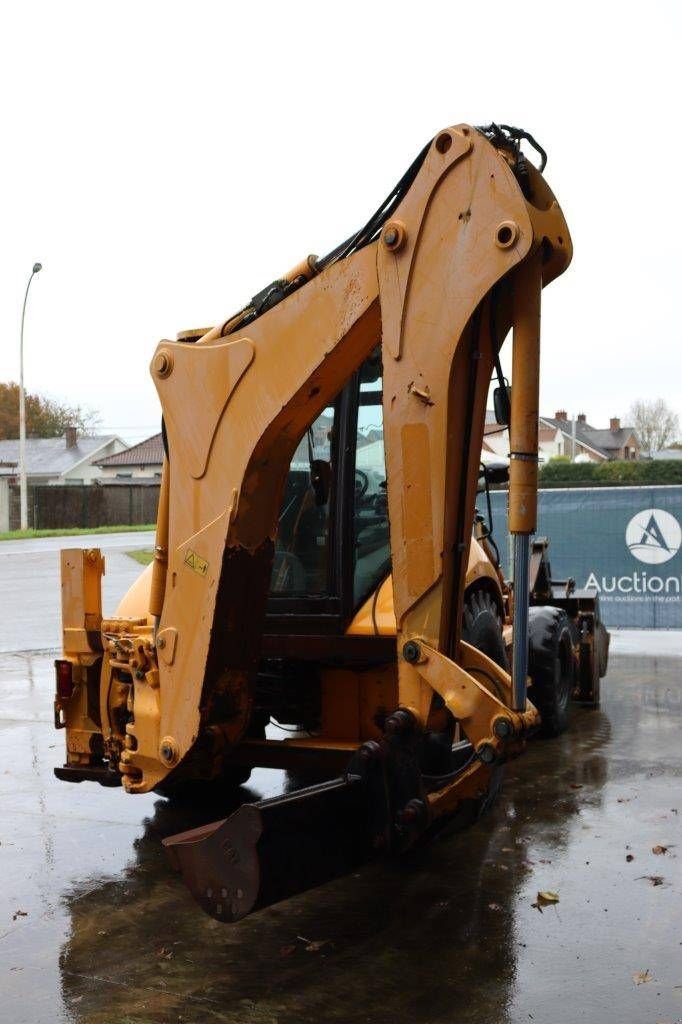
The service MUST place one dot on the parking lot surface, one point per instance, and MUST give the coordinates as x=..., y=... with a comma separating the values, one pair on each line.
x=96, y=929
x=29, y=584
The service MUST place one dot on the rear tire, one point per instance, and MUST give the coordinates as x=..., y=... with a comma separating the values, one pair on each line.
x=550, y=666
x=482, y=626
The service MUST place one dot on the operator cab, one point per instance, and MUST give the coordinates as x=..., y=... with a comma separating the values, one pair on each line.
x=331, y=553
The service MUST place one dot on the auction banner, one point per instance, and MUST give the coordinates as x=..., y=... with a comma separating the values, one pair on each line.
x=625, y=542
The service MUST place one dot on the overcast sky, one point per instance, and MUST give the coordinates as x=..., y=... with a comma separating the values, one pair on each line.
x=165, y=161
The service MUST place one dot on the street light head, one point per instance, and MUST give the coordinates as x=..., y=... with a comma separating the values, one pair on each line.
x=37, y=267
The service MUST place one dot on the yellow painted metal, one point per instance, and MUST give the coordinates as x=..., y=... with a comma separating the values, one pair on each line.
x=235, y=407
x=355, y=702
x=523, y=431
x=314, y=341
x=160, y=563
x=81, y=575
x=136, y=601
x=376, y=616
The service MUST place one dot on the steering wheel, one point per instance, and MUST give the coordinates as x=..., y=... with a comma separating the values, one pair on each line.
x=361, y=483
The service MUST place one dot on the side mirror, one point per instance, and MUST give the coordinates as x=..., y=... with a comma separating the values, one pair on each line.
x=492, y=472
x=497, y=472
x=502, y=404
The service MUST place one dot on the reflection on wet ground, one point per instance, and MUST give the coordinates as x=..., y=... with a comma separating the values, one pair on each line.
x=95, y=928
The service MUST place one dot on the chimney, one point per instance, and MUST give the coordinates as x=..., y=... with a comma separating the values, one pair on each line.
x=561, y=414
x=71, y=435
x=582, y=418
x=614, y=423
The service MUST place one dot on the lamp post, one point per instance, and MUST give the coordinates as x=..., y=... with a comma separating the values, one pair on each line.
x=23, y=495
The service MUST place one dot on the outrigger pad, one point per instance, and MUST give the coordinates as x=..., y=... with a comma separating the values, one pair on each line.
x=268, y=851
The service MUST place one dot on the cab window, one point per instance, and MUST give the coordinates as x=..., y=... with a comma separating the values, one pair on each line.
x=372, y=551
x=302, y=563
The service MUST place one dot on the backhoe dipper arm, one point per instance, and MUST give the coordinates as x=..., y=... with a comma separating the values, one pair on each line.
x=438, y=289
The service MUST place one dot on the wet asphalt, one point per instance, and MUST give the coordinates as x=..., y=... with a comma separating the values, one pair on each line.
x=95, y=927
x=29, y=582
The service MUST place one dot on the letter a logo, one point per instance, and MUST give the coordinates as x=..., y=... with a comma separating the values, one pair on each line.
x=653, y=536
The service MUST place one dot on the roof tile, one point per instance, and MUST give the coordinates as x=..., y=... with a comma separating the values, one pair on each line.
x=146, y=453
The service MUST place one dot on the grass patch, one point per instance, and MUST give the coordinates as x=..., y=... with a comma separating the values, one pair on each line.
x=74, y=532
x=143, y=557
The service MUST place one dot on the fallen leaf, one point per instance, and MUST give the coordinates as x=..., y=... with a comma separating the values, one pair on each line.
x=19, y=913
x=641, y=977
x=545, y=899
x=313, y=945
x=629, y=857
x=658, y=850
x=494, y=906
x=165, y=953
x=654, y=879
x=576, y=785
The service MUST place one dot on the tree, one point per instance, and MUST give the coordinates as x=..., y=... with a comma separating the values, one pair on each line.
x=656, y=424
x=44, y=417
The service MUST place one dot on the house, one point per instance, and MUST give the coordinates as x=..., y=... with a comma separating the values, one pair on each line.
x=58, y=460
x=495, y=437
x=616, y=442
x=555, y=437
x=141, y=463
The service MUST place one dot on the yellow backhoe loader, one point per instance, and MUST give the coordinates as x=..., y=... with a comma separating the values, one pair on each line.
x=320, y=562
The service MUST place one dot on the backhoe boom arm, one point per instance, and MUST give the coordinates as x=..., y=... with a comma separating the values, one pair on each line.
x=459, y=255
x=424, y=290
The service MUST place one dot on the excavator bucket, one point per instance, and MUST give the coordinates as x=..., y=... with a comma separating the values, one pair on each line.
x=274, y=849
x=271, y=850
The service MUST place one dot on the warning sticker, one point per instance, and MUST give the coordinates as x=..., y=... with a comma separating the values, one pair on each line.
x=196, y=562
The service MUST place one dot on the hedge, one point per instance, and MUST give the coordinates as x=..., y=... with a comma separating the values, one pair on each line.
x=622, y=473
